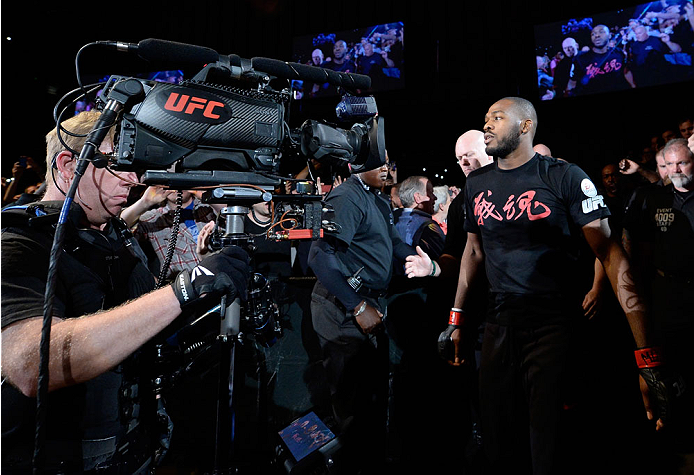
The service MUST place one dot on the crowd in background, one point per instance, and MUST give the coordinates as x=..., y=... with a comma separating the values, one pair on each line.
x=377, y=53
x=654, y=47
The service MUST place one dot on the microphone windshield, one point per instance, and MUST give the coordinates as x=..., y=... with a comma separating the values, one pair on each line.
x=311, y=73
x=169, y=51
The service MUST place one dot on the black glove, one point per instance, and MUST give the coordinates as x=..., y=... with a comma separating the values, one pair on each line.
x=663, y=386
x=445, y=345
x=224, y=272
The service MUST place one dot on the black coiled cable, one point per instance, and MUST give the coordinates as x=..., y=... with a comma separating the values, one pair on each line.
x=172, y=241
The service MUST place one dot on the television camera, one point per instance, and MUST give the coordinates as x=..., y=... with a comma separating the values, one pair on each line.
x=225, y=132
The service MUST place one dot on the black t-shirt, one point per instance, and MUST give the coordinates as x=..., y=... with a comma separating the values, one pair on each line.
x=371, y=65
x=344, y=67
x=664, y=217
x=96, y=271
x=456, y=236
x=617, y=206
x=599, y=72
x=648, y=53
x=561, y=75
x=529, y=220
x=328, y=89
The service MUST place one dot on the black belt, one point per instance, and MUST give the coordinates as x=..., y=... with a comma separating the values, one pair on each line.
x=364, y=292
x=372, y=293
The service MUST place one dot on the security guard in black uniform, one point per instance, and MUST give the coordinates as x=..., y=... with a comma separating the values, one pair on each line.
x=354, y=267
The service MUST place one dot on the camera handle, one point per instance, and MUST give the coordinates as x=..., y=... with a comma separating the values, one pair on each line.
x=228, y=336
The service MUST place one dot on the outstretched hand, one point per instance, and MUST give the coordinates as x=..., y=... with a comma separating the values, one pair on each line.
x=203, y=243
x=592, y=302
x=418, y=265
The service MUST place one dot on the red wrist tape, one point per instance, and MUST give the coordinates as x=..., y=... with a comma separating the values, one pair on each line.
x=649, y=357
x=456, y=317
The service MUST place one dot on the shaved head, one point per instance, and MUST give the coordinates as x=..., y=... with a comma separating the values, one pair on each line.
x=543, y=149
x=470, y=151
x=525, y=111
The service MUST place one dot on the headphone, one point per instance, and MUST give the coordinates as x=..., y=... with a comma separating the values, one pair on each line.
x=99, y=160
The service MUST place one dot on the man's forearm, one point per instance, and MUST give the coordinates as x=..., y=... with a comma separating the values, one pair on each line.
x=324, y=263
x=649, y=175
x=449, y=266
x=619, y=272
x=132, y=213
x=83, y=348
x=470, y=265
x=618, y=269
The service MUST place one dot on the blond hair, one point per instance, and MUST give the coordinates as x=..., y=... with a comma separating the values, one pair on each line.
x=78, y=127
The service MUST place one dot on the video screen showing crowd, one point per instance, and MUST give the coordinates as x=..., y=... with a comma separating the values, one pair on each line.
x=376, y=51
x=648, y=44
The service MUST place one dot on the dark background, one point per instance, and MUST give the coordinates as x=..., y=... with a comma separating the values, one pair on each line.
x=461, y=57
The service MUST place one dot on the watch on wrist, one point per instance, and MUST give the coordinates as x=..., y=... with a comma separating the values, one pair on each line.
x=361, y=309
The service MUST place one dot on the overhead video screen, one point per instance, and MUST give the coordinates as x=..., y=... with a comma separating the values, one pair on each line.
x=648, y=44
x=377, y=51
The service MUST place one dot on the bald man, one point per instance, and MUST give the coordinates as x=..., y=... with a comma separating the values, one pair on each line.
x=469, y=151
x=471, y=155
x=563, y=69
x=542, y=149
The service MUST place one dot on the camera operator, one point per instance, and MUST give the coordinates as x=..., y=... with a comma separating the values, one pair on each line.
x=101, y=409
x=349, y=320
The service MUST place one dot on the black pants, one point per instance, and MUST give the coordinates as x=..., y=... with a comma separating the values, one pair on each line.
x=520, y=395
x=356, y=369
x=673, y=316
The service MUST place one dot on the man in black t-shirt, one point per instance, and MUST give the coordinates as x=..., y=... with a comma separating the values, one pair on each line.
x=524, y=215
x=659, y=232
x=563, y=70
x=470, y=154
x=100, y=409
x=601, y=69
x=339, y=62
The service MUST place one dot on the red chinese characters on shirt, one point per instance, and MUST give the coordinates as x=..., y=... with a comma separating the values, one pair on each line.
x=524, y=205
x=595, y=69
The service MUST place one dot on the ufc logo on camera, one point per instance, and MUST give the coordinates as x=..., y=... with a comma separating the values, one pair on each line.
x=193, y=105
